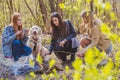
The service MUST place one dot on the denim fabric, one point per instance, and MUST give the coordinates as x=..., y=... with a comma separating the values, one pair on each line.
x=8, y=35
x=19, y=49
x=23, y=69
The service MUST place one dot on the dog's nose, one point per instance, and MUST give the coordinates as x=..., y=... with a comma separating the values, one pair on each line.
x=34, y=32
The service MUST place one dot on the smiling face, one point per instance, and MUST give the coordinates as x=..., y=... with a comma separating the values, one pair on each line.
x=35, y=30
x=55, y=21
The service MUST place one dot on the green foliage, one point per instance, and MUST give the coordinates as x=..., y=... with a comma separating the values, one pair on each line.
x=39, y=59
x=32, y=74
x=51, y=63
x=86, y=69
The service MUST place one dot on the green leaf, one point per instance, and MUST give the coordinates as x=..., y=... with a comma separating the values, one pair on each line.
x=52, y=63
x=76, y=75
x=32, y=74
x=113, y=16
x=77, y=64
x=39, y=59
x=66, y=69
x=31, y=63
x=62, y=6
x=107, y=6
x=105, y=29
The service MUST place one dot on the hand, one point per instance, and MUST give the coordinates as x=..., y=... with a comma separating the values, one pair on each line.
x=62, y=43
x=25, y=31
x=80, y=53
x=46, y=53
x=18, y=33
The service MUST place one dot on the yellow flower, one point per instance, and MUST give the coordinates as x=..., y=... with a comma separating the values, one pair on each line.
x=32, y=74
x=113, y=16
x=67, y=69
x=89, y=57
x=105, y=29
x=76, y=75
x=52, y=63
x=107, y=5
x=62, y=6
x=31, y=63
x=77, y=64
x=39, y=59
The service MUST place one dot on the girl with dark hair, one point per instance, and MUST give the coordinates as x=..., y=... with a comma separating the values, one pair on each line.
x=63, y=38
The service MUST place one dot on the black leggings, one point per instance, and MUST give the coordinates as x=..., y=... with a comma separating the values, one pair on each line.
x=62, y=52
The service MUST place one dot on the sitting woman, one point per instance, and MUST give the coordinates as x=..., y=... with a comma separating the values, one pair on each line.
x=14, y=39
x=95, y=37
x=63, y=40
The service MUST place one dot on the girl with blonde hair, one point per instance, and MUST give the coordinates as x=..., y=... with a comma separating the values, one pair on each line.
x=95, y=37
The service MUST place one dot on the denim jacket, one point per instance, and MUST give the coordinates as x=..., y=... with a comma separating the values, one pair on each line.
x=8, y=35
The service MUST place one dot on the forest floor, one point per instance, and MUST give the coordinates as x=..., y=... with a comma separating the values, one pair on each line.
x=4, y=63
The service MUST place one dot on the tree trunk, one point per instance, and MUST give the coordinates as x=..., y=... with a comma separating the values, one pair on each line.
x=14, y=7
x=29, y=9
x=19, y=6
x=104, y=10
x=115, y=7
x=58, y=9
x=91, y=5
x=52, y=5
x=10, y=7
x=43, y=11
x=96, y=10
x=114, y=4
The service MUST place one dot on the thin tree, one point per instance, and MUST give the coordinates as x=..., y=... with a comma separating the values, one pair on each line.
x=52, y=5
x=43, y=11
x=58, y=9
x=29, y=9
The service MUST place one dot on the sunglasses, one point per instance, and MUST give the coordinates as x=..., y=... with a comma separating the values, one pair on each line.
x=54, y=13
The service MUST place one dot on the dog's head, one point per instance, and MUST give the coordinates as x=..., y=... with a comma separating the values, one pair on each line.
x=35, y=30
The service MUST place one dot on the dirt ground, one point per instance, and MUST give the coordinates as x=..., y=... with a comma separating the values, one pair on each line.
x=4, y=63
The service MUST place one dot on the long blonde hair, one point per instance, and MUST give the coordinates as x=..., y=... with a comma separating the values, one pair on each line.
x=89, y=16
x=15, y=26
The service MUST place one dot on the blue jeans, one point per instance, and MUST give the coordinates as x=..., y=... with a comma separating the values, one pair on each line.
x=19, y=49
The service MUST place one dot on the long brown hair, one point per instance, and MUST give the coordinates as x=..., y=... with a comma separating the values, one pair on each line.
x=15, y=26
x=61, y=27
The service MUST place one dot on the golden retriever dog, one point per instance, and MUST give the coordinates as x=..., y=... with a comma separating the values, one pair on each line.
x=34, y=42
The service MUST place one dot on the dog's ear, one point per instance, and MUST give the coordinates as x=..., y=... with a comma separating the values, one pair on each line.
x=30, y=31
x=40, y=31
